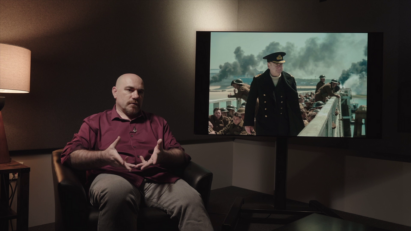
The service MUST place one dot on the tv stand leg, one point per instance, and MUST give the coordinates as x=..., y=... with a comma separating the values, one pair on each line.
x=279, y=204
x=280, y=193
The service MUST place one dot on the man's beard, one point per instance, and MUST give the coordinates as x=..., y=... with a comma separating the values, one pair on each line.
x=131, y=112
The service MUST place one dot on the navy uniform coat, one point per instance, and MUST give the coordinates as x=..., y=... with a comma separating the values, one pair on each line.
x=279, y=111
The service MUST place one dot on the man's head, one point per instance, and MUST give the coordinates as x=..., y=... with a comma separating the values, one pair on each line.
x=333, y=83
x=230, y=109
x=322, y=78
x=275, y=68
x=237, y=83
x=217, y=112
x=303, y=114
x=223, y=111
x=237, y=118
x=309, y=104
x=241, y=112
x=311, y=116
x=129, y=95
x=318, y=105
x=275, y=62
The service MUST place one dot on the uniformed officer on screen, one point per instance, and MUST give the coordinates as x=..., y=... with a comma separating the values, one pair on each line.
x=279, y=112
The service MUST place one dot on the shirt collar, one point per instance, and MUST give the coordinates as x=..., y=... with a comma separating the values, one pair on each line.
x=115, y=115
x=275, y=76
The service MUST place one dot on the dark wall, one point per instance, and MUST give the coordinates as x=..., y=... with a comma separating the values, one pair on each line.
x=79, y=48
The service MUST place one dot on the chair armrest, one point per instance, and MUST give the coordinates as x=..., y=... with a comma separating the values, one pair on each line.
x=200, y=179
x=69, y=194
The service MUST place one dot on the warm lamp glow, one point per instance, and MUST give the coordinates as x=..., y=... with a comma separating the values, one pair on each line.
x=14, y=78
x=14, y=69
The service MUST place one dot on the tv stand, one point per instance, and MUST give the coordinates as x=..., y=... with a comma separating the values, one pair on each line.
x=277, y=204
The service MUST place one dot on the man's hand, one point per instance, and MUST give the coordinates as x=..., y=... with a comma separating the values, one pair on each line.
x=249, y=129
x=91, y=159
x=111, y=157
x=158, y=151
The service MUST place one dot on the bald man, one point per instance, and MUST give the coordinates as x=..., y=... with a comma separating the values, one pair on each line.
x=127, y=153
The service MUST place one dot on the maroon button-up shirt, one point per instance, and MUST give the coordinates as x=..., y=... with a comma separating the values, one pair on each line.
x=138, y=137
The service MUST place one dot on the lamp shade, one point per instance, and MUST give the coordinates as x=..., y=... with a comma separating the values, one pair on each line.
x=14, y=69
x=14, y=78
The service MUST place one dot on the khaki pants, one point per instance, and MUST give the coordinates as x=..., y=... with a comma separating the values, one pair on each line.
x=119, y=201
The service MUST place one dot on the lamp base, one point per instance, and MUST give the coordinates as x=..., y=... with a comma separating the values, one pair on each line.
x=4, y=149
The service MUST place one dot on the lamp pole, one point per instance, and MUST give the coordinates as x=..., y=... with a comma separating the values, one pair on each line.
x=4, y=150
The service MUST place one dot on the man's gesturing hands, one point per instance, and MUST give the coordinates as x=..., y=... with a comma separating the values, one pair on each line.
x=111, y=157
x=158, y=150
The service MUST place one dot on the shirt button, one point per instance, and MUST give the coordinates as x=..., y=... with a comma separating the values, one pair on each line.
x=281, y=96
x=265, y=101
x=266, y=109
x=265, y=115
x=264, y=94
x=131, y=135
x=281, y=101
x=281, y=108
x=281, y=113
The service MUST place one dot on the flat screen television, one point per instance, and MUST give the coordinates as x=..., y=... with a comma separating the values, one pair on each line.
x=232, y=72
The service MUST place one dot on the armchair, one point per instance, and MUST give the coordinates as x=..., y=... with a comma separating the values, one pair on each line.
x=74, y=211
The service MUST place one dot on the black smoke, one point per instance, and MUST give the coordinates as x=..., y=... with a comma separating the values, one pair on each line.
x=359, y=68
x=248, y=63
x=226, y=70
x=244, y=65
x=315, y=54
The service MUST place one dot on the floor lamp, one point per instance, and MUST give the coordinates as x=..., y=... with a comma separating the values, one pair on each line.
x=14, y=78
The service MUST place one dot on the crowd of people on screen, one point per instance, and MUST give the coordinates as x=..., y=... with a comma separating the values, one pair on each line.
x=228, y=121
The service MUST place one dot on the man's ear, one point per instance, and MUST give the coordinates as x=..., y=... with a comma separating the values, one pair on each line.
x=114, y=91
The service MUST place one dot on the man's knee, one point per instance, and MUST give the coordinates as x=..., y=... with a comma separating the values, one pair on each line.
x=112, y=190
x=190, y=199
x=193, y=198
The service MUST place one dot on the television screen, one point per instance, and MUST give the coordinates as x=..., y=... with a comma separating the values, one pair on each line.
x=288, y=84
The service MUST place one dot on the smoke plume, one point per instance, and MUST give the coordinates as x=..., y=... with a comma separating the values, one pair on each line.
x=315, y=54
x=355, y=78
x=244, y=65
x=359, y=68
x=309, y=60
x=356, y=84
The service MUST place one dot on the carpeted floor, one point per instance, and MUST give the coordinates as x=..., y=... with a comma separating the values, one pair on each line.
x=222, y=199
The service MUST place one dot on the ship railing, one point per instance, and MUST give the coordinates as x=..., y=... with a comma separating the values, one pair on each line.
x=321, y=125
